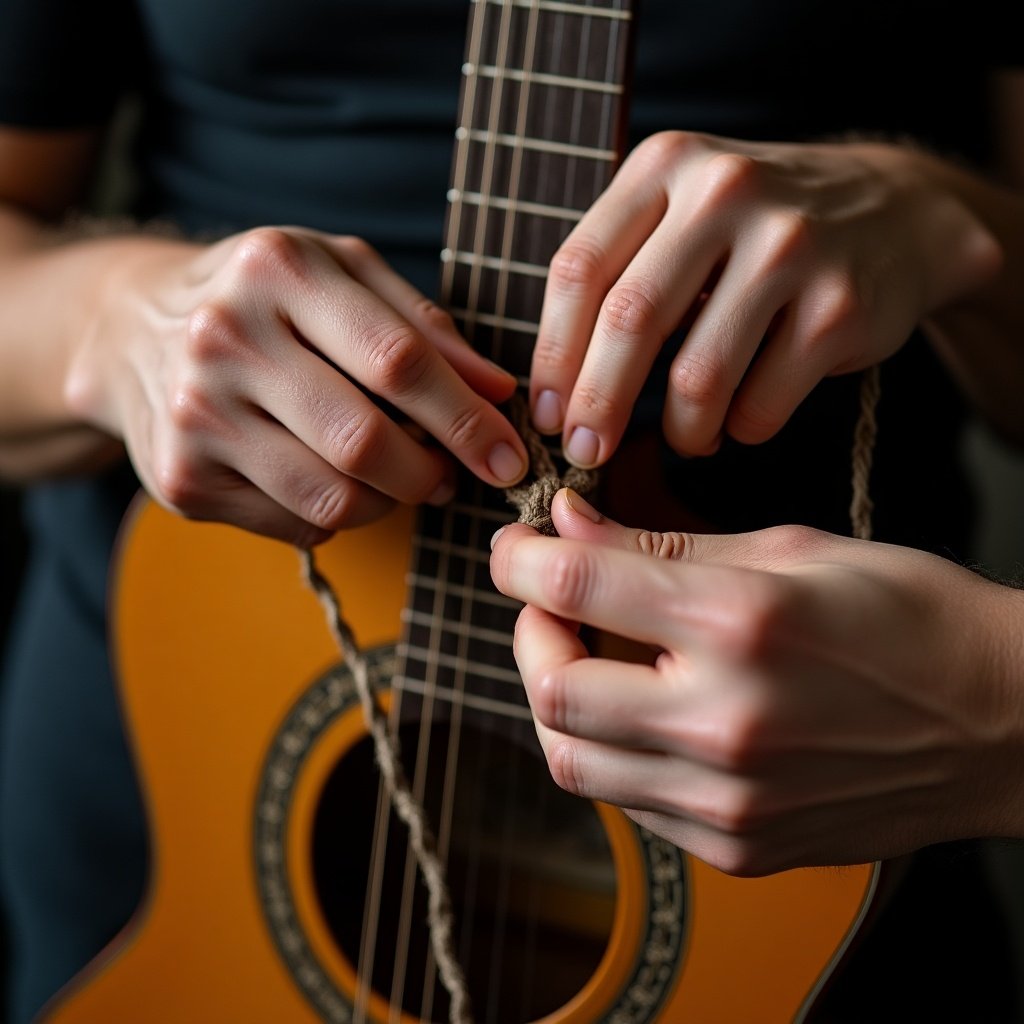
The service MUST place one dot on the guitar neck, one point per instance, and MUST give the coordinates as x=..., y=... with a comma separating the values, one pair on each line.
x=540, y=132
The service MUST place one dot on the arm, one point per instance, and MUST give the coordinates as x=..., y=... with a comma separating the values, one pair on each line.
x=816, y=699
x=230, y=371
x=788, y=263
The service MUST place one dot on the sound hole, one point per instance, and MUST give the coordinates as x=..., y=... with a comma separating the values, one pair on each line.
x=529, y=869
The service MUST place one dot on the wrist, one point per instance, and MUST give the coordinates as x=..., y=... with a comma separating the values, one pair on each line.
x=117, y=304
x=960, y=250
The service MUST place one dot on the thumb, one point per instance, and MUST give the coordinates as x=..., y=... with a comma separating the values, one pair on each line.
x=777, y=548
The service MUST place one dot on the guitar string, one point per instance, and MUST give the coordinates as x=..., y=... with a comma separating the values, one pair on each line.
x=409, y=811
x=524, y=97
x=534, y=505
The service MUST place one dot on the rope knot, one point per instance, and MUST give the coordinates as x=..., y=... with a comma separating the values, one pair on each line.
x=533, y=500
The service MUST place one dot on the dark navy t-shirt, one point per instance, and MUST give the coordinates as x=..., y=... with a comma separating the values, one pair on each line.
x=339, y=115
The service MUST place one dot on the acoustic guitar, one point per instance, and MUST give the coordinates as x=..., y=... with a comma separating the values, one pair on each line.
x=282, y=888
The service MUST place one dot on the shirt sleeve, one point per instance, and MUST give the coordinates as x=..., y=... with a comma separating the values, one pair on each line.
x=64, y=63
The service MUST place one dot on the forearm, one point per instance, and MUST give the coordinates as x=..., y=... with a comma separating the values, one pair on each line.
x=51, y=292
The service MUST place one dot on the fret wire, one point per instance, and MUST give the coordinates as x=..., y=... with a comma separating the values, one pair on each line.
x=537, y=145
x=565, y=8
x=492, y=515
x=494, y=263
x=457, y=590
x=463, y=698
x=490, y=320
x=518, y=205
x=541, y=78
x=479, y=669
x=460, y=550
x=458, y=628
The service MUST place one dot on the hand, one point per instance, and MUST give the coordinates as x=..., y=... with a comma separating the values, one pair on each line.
x=816, y=699
x=787, y=263
x=234, y=376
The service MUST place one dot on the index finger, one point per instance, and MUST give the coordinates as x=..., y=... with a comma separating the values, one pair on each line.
x=365, y=337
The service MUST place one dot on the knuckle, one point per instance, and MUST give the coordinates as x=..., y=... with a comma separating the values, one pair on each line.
x=432, y=316
x=465, y=428
x=787, y=236
x=794, y=542
x=399, y=360
x=664, y=150
x=355, y=250
x=550, y=702
x=628, y=310
x=698, y=380
x=594, y=403
x=328, y=508
x=179, y=483
x=741, y=859
x=356, y=441
x=569, y=581
x=268, y=252
x=837, y=309
x=727, y=177
x=577, y=266
x=191, y=409
x=758, y=619
x=670, y=546
x=213, y=334
x=551, y=356
x=565, y=767
x=734, y=743
x=737, y=811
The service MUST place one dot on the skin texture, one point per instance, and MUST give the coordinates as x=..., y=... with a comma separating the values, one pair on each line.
x=808, y=699
x=237, y=375
x=789, y=263
x=815, y=699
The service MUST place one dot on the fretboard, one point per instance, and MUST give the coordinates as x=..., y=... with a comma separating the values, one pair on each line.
x=540, y=133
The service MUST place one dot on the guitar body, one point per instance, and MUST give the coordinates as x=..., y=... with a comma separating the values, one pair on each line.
x=242, y=725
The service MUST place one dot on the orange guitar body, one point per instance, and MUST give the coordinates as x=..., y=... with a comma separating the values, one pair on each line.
x=218, y=642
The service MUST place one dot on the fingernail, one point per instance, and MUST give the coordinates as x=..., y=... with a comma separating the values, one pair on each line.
x=505, y=463
x=547, y=412
x=497, y=533
x=581, y=506
x=444, y=493
x=582, y=448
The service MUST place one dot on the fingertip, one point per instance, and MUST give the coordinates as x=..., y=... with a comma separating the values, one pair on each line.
x=502, y=383
x=579, y=506
x=511, y=530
